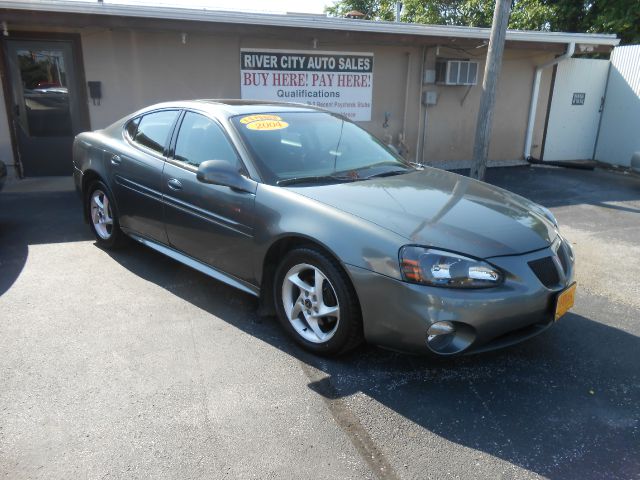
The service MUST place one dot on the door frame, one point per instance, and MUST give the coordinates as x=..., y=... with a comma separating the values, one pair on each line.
x=554, y=71
x=7, y=88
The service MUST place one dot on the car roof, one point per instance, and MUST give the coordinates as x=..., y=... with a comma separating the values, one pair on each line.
x=231, y=107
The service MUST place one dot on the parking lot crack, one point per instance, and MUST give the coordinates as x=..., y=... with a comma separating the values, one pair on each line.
x=349, y=424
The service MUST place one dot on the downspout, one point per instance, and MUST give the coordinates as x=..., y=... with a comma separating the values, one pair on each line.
x=571, y=48
x=402, y=147
x=419, y=144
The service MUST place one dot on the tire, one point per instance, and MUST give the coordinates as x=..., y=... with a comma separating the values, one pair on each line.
x=103, y=223
x=299, y=304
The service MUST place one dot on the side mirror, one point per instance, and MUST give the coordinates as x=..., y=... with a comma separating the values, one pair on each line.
x=221, y=172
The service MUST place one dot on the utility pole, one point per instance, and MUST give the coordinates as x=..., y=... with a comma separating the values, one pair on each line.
x=489, y=81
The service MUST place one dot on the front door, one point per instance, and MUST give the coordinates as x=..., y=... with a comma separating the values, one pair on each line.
x=211, y=223
x=46, y=109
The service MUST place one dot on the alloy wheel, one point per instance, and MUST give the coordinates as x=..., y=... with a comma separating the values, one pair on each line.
x=310, y=303
x=101, y=214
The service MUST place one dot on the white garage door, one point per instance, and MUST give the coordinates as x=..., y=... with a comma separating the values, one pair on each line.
x=575, y=109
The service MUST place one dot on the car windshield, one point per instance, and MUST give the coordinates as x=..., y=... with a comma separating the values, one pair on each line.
x=314, y=147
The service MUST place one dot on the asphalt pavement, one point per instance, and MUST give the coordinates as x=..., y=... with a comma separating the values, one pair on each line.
x=129, y=365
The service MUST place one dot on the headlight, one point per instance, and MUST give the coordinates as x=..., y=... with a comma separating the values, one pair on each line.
x=438, y=268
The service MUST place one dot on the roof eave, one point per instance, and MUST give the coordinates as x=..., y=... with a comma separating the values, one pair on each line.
x=302, y=21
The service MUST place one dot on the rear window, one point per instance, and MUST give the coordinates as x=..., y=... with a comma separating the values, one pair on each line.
x=154, y=128
x=131, y=127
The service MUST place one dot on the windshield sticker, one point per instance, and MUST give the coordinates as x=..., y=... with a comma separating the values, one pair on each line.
x=263, y=125
x=254, y=118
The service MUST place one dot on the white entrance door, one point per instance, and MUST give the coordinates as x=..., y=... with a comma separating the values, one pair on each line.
x=575, y=109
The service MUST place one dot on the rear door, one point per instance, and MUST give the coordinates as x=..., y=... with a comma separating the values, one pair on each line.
x=137, y=172
x=211, y=223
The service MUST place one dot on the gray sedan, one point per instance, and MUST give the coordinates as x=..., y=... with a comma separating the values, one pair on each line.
x=337, y=235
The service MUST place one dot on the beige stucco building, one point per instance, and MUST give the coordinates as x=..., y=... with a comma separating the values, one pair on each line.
x=142, y=55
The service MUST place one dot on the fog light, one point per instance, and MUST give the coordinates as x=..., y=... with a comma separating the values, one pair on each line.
x=440, y=328
x=449, y=338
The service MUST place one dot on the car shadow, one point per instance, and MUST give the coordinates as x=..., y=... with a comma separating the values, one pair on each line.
x=34, y=218
x=564, y=404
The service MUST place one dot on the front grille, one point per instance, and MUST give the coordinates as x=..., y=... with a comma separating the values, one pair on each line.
x=546, y=271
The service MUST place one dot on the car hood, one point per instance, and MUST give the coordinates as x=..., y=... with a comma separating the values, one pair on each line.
x=441, y=209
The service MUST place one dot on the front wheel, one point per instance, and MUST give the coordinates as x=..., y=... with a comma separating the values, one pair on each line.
x=316, y=303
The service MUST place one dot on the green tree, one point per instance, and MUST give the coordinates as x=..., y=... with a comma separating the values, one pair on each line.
x=621, y=17
x=372, y=9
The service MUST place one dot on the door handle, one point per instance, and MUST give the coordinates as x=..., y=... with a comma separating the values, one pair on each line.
x=116, y=160
x=174, y=184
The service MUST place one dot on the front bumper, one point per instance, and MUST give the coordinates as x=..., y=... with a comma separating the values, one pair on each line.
x=397, y=314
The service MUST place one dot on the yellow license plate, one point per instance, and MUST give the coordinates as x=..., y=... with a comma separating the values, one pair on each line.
x=565, y=301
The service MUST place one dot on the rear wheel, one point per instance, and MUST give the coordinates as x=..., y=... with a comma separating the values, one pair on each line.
x=316, y=302
x=102, y=215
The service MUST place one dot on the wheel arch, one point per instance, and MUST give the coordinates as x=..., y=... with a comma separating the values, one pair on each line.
x=88, y=177
x=278, y=248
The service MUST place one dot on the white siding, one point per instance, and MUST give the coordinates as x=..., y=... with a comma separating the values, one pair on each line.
x=620, y=131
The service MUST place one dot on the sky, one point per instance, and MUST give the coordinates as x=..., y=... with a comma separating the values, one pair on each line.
x=265, y=6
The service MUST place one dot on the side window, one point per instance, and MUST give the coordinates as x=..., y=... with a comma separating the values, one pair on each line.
x=131, y=127
x=200, y=139
x=154, y=128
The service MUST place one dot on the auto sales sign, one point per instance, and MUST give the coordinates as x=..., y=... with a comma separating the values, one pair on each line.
x=338, y=81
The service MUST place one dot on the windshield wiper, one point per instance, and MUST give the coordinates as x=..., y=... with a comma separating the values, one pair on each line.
x=314, y=179
x=387, y=174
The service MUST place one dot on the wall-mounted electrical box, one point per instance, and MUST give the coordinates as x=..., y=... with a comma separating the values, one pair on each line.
x=95, y=91
x=429, y=97
x=429, y=77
